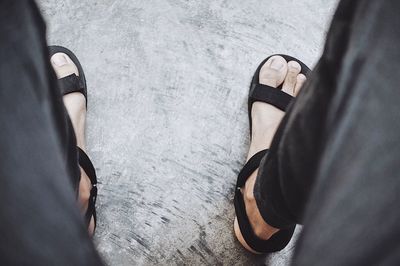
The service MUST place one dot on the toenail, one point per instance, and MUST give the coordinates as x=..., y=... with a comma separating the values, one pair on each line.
x=59, y=60
x=295, y=65
x=276, y=64
x=301, y=77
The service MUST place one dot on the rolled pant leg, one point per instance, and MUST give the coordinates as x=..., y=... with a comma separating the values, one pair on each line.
x=336, y=167
x=39, y=173
x=287, y=173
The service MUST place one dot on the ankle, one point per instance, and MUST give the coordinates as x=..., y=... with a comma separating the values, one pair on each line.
x=260, y=228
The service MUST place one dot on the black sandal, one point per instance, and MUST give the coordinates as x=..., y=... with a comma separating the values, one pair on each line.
x=69, y=84
x=281, y=100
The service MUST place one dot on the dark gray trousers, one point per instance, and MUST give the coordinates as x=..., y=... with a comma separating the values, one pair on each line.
x=40, y=223
x=334, y=164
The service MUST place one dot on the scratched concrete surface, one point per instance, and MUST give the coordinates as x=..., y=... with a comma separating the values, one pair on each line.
x=167, y=122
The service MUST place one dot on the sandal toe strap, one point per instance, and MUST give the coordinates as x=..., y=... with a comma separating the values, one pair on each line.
x=270, y=95
x=71, y=83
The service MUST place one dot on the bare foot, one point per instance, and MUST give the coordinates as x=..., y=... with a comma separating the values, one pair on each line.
x=265, y=121
x=75, y=103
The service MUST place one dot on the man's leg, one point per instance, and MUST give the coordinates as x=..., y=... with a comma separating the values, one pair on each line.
x=352, y=216
x=334, y=167
x=75, y=104
x=265, y=121
x=40, y=221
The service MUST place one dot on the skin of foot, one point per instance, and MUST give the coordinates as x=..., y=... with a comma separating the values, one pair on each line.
x=75, y=103
x=265, y=121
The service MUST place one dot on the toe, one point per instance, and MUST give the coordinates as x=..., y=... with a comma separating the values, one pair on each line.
x=301, y=79
x=289, y=84
x=273, y=72
x=59, y=59
x=63, y=65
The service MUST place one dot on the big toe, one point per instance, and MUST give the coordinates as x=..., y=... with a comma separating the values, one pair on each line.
x=273, y=72
x=63, y=65
x=289, y=84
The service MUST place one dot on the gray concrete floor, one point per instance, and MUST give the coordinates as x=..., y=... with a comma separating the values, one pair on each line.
x=167, y=122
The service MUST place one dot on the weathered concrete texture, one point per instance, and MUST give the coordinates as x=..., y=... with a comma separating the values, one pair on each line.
x=167, y=122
